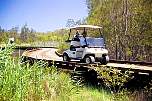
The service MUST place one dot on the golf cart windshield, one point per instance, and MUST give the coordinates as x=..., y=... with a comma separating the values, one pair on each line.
x=92, y=42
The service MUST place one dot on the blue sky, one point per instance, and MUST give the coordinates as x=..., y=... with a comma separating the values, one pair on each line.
x=41, y=15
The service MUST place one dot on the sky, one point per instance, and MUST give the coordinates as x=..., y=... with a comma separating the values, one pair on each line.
x=41, y=15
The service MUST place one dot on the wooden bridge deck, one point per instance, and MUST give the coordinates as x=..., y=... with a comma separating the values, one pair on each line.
x=49, y=54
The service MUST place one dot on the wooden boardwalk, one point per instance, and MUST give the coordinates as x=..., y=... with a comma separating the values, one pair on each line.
x=50, y=55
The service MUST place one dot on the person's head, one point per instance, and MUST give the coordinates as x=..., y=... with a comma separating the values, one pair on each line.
x=77, y=32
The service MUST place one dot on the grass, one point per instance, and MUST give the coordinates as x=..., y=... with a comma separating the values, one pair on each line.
x=38, y=82
x=92, y=94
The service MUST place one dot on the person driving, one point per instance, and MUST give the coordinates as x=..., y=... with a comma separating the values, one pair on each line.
x=84, y=33
x=76, y=36
x=77, y=33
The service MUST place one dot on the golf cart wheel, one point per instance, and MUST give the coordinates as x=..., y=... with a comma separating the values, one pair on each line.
x=66, y=57
x=104, y=60
x=89, y=59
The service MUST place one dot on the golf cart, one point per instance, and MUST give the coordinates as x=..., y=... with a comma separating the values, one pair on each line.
x=84, y=48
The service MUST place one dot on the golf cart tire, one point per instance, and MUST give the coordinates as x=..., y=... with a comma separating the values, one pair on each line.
x=89, y=59
x=66, y=57
x=103, y=61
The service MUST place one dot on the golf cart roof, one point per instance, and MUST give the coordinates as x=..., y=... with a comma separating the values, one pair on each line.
x=82, y=27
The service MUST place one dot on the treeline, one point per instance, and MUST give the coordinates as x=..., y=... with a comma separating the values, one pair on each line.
x=127, y=27
x=23, y=35
x=26, y=35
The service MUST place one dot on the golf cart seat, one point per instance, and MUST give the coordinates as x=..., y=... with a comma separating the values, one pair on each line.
x=76, y=39
x=75, y=43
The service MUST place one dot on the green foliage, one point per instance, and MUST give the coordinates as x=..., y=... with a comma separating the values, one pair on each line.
x=53, y=36
x=113, y=78
x=30, y=37
x=62, y=47
x=18, y=81
x=126, y=23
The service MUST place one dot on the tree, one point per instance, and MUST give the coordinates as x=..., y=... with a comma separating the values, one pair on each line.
x=70, y=23
x=127, y=26
x=27, y=34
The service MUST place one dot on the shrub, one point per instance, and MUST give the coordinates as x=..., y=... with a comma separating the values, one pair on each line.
x=62, y=47
x=113, y=78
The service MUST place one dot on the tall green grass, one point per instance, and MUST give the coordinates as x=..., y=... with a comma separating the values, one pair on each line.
x=38, y=82
x=25, y=82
